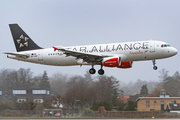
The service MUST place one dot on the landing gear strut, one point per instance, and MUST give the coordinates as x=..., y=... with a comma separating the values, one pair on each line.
x=154, y=63
x=101, y=71
x=92, y=70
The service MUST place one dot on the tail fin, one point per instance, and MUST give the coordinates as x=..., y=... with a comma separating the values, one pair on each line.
x=21, y=40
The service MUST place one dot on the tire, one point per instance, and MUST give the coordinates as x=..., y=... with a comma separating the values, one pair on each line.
x=92, y=71
x=155, y=68
x=101, y=72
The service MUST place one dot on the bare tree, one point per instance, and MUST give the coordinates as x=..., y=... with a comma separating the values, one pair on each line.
x=58, y=83
x=12, y=79
x=176, y=75
x=162, y=77
x=163, y=74
x=133, y=88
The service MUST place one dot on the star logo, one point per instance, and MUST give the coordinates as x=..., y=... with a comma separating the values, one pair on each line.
x=22, y=41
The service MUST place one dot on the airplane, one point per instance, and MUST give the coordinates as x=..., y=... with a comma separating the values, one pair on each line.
x=119, y=55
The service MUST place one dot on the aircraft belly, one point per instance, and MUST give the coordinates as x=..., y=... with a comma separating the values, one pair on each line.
x=60, y=61
x=67, y=61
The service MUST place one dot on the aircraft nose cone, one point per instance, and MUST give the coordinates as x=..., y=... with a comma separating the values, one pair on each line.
x=174, y=51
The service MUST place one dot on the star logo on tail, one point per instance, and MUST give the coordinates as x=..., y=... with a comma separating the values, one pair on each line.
x=22, y=41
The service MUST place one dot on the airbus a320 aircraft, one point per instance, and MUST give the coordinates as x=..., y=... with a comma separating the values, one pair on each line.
x=120, y=55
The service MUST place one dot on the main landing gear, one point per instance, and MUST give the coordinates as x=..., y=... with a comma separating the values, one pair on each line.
x=101, y=71
x=154, y=63
x=93, y=71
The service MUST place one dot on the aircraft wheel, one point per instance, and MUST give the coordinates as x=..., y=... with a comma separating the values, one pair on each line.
x=101, y=72
x=92, y=71
x=155, y=67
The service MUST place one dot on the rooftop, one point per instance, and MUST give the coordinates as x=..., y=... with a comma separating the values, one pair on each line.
x=123, y=98
x=156, y=93
x=157, y=98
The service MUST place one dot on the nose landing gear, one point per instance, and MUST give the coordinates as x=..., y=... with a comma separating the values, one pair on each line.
x=154, y=63
x=155, y=68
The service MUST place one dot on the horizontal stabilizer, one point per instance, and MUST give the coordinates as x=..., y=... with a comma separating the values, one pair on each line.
x=18, y=55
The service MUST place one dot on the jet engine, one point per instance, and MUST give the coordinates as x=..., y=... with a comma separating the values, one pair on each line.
x=111, y=61
x=116, y=62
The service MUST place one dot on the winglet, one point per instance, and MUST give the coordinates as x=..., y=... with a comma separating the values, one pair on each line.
x=55, y=49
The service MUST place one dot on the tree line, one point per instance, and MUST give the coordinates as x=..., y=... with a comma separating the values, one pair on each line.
x=92, y=91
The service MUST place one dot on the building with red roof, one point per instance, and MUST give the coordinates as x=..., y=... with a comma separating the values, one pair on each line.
x=156, y=101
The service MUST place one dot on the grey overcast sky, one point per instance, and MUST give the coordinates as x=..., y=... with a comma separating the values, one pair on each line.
x=81, y=22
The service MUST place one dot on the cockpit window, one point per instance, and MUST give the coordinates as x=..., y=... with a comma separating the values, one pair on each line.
x=165, y=45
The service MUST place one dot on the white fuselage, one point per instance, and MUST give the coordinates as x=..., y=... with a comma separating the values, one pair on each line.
x=129, y=51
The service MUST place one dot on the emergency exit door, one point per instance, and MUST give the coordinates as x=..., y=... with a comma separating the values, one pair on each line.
x=40, y=55
x=152, y=47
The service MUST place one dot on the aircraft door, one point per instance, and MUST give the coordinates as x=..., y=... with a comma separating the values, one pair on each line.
x=40, y=55
x=152, y=47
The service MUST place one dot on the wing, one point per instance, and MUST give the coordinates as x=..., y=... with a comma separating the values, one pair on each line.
x=18, y=55
x=87, y=57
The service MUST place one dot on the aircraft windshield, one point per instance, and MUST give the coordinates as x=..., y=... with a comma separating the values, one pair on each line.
x=165, y=45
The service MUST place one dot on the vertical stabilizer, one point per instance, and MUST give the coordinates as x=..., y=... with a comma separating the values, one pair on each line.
x=21, y=40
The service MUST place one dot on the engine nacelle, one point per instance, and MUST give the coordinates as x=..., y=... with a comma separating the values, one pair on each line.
x=126, y=64
x=112, y=62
